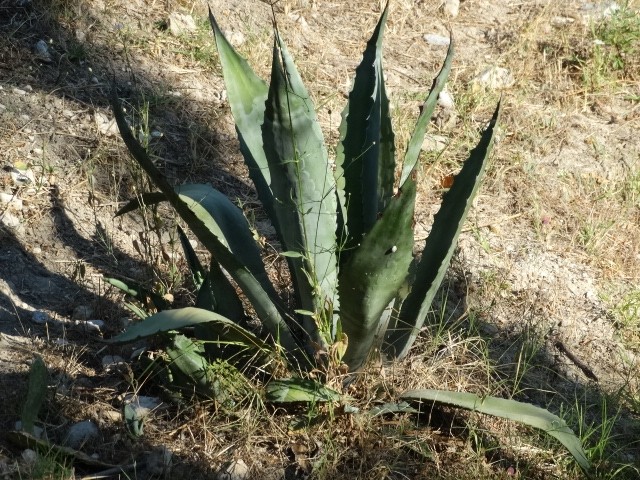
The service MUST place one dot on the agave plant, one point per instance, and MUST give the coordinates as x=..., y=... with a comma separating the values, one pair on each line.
x=344, y=225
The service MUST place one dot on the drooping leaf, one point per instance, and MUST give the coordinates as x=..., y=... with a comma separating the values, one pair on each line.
x=365, y=160
x=415, y=143
x=143, y=295
x=439, y=247
x=257, y=291
x=299, y=390
x=179, y=318
x=373, y=274
x=303, y=187
x=524, y=413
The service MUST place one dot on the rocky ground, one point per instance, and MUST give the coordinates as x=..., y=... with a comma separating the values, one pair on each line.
x=547, y=272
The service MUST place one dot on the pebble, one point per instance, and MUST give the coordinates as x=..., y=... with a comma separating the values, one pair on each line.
x=112, y=362
x=36, y=250
x=436, y=40
x=9, y=220
x=494, y=78
x=95, y=326
x=42, y=51
x=11, y=200
x=106, y=126
x=40, y=317
x=451, y=7
x=445, y=100
x=19, y=91
x=434, y=143
x=81, y=433
x=142, y=404
x=29, y=456
x=158, y=461
x=180, y=24
x=235, y=470
x=237, y=38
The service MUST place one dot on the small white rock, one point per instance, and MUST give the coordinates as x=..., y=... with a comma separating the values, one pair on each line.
x=436, y=40
x=237, y=38
x=451, y=7
x=81, y=433
x=143, y=404
x=445, y=100
x=180, y=23
x=11, y=200
x=19, y=91
x=106, y=126
x=494, y=78
x=9, y=220
x=36, y=250
x=29, y=456
x=93, y=325
x=235, y=470
x=434, y=143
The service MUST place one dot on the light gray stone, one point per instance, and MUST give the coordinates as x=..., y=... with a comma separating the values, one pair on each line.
x=81, y=433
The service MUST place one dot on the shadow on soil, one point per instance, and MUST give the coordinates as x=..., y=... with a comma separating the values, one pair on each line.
x=22, y=24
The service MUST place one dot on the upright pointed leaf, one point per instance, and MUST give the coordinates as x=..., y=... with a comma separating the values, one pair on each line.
x=197, y=271
x=247, y=94
x=373, y=274
x=439, y=246
x=365, y=155
x=524, y=413
x=303, y=186
x=417, y=138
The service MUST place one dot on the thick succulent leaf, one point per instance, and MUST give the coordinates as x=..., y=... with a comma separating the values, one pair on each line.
x=219, y=295
x=190, y=369
x=365, y=161
x=197, y=271
x=415, y=143
x=262, y=297
x=140, y=293
x=299, y=390
x=228, y=330
x=38, y=383
x=303, y=186
x=373, y=274
x=439, y=246
x=510, y=409
x=247, y=94
x=395, y=407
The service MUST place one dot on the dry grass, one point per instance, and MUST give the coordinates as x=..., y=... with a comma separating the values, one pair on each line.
x=559, y=211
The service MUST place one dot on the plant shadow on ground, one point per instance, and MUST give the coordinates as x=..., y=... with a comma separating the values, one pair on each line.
x=37, y=285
